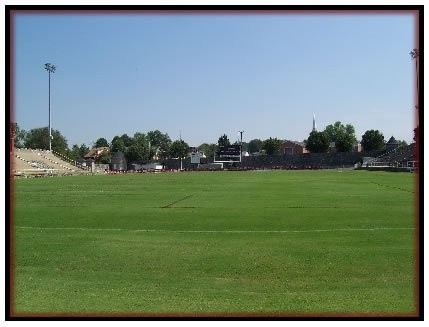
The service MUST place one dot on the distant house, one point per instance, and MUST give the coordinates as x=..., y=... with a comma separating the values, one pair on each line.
x=96, y=153
x=292, y=147
x=357, y=147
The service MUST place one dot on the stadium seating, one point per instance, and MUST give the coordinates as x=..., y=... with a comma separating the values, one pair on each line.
x=39, y=162
x=398, y=157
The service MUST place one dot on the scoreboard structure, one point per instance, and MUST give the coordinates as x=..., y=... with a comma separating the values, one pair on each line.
x=228, y=153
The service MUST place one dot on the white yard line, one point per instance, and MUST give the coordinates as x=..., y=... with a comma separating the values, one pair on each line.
x=220, y=231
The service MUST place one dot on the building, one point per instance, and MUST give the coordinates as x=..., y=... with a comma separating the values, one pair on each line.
x=292, y=147
x=96, y=153
x=118, y=161
x=357, y=147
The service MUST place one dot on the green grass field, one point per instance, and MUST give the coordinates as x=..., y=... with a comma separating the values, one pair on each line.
x=289, y=242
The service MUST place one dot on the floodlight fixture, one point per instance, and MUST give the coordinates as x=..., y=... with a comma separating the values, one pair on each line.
x=50, y=68
x=414, y=54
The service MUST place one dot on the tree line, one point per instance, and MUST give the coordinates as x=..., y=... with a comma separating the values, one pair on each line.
x=142, y=147
x=139, y=148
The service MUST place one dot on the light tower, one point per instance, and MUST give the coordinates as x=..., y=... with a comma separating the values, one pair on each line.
x=51, y=69
x=415, y=55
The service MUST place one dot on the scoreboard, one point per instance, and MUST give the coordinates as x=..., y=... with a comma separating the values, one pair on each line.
x=229, y=151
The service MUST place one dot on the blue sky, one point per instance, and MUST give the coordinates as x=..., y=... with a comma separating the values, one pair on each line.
x=206, y=75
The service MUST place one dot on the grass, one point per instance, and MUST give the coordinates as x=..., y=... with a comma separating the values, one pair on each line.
x=289, y=242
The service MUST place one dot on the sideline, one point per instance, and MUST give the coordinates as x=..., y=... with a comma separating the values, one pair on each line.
x=220, y=231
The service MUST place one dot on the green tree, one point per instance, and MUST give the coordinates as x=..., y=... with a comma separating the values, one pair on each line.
x=373, y=140
x=159, y=142
x=78, y=152
x=138, y=151
x=19, y=136
x=38, y=138
x=345, y=143
x=101, y=142
x=121, y=143
x=244, y=145
x=255, y=145
x=104, y=158
x=416, y=134
x=223, y=141
x=272, y=146
x=135, y=149
x=207, y=149
x=83, y=150
x=118, y=144
x=179, y=149
x=74, y=152
x=343, y=136
x=317, y=142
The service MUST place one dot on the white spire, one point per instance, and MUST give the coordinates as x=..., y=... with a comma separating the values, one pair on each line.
x=314, y=123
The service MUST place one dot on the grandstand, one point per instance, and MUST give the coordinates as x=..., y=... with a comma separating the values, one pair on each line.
x=399, y=157
x=35, y=162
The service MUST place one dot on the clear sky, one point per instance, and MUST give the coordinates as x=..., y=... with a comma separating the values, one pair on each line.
x=206, y=75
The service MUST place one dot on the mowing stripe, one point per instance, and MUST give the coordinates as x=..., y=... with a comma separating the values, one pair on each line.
x=177, y=201
x=220, y=231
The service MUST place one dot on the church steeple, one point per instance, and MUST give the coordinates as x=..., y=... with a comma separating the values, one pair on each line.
x=314, y=123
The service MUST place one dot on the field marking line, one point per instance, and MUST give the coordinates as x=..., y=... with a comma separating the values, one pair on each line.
x=220, y=231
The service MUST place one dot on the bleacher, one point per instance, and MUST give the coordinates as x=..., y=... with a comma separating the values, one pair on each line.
x=403, y=156
x=35, y=162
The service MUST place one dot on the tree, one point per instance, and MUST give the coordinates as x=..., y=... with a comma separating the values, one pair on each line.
x=19, y=136
x=159, y=141
x=207, y=149
x=317, y=142
x=223, y=141
x=343, y=136
x=104, y=158
x=74, y=152
x=118, y=144
x=179, y=149
x=244, y=146
x=255, y=145
x=121, y=143
x=373, y=140
x=138, y=151
x=345, y=142
x=101, y=142
x=272, y=146
x=416, y=134
x=77, y=152
x=38, y=138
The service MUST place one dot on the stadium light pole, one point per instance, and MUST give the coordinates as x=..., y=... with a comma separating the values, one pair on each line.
x=51, y=69
x=415, y=55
